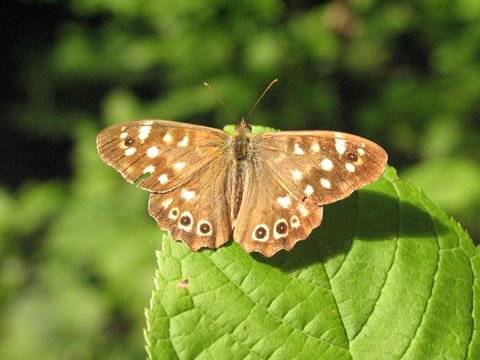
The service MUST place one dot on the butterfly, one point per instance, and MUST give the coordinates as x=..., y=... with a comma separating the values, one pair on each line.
x=269, y=189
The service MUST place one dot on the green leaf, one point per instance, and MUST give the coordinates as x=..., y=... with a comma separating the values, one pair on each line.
x=386, y=276
x=462, y=200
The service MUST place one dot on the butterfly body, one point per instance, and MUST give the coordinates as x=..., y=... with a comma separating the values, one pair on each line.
x=268, y=189
x=240, y=140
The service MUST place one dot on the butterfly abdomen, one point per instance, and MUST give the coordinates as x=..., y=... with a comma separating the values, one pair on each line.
x=240, y=148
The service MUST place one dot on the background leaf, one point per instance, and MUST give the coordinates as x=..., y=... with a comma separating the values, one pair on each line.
x=387, y=275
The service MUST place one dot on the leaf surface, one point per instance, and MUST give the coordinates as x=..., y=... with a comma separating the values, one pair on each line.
x=386, y=276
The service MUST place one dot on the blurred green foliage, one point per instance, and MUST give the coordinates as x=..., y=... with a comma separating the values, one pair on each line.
x=77, y=252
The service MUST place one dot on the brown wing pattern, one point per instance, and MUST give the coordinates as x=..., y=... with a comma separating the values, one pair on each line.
x=288, y=177
x=273, y=216
x=325, y=166
x=197, y=212
x=189, y=192
x=291, y=175
x=170, y=151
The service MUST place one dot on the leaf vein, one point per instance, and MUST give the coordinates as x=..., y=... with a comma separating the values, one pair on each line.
x=268, y=311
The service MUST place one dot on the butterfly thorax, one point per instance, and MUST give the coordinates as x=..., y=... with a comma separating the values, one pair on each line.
x=240, y=139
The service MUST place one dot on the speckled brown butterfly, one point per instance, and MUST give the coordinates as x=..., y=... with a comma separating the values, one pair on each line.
x=268, y=189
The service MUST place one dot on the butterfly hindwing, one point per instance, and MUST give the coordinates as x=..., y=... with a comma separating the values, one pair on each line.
x=272, y=215
x=198, y=211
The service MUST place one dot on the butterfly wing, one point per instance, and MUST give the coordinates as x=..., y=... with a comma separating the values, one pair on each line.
x=325, y=166
x=170, y=151
x=198, y=211
x=189, y=195
x=272, y=216
x=291, y=175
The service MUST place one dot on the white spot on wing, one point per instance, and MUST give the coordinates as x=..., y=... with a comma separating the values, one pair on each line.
x=340, y=146
x=163, y=178
x=315, y=147
x=284, y=201
x=325, y=183
x=143, y=132
x=167, y=138
x=149, y=122
x=361, y=151
x=130, y=151
x=184, y=142
x=338, y=135
x=179, y=166
x=298, y=150
x=326, y=164
x=294, y=221
x=149, y=169
x=123, y=135
x=350, y=167
x=166, y=203
x=152, y=152
x=303, y=210
x=173, y=214
x=188, y=195
x=297, y=175
x=308, y=190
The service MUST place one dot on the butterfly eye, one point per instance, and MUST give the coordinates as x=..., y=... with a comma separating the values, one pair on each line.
x=352, y=156
x=129, y=141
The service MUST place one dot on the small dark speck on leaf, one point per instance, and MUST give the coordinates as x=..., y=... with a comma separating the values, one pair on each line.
x=183, y=284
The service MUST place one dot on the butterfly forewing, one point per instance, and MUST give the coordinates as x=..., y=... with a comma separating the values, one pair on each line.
x=324, y=166
x=170, y=151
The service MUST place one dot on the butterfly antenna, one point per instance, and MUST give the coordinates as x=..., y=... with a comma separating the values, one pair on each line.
x=261, y=97
x=221, y=101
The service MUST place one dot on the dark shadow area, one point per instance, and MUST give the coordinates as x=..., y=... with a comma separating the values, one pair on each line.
x=385, y=218
x=28, y=158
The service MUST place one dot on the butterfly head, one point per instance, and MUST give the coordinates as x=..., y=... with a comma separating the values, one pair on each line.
x=243, y=127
